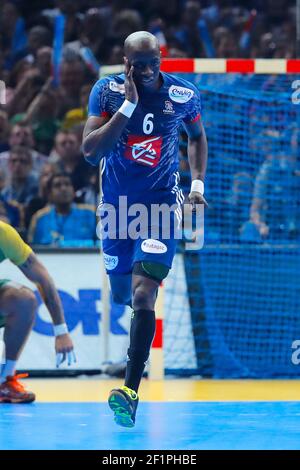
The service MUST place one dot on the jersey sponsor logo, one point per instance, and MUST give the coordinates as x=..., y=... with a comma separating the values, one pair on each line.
x=168, y=108
x=144, y=151
x=117, y=87
x=110, y=261
x=180, y=94
x=153, y=246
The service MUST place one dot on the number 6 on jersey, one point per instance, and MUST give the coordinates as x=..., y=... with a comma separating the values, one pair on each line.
x=148, y=124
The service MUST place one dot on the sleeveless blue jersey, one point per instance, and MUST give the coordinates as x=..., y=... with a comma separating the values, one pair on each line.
x=143, y=165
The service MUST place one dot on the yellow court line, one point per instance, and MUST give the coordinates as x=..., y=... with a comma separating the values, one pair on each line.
x=92, y=390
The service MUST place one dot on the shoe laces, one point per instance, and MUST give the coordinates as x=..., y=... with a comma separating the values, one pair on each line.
x=14, y=382
x=133, y=395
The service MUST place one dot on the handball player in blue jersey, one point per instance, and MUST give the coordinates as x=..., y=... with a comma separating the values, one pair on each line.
x=133, y=126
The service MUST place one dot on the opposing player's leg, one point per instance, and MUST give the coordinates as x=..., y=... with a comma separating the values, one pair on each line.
x=146, y=278
x=17, y=306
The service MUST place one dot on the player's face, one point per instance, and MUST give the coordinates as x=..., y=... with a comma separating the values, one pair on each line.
x=146, y=67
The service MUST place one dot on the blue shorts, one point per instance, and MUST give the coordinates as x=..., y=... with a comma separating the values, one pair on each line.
x=153, y=239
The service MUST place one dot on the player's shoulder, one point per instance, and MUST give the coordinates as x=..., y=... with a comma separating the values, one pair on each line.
x=6, y=230
x=180, y=90
x=111, y=83
x=9, y=236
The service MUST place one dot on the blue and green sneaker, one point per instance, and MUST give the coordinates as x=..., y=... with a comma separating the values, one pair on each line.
x=124, y=401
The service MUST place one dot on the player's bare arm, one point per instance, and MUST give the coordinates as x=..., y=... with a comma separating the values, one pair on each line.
x=34, y=270
x=197, y=156
x=101, y=134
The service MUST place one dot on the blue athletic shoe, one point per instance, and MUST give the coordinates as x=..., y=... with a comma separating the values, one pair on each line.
x=124, y=401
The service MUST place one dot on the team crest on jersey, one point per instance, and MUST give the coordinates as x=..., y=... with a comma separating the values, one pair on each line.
x=145, y=151
x=180, y=94
x=168, y=107
x=117, y=87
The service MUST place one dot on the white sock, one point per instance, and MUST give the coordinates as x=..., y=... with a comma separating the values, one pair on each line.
x=7, y=369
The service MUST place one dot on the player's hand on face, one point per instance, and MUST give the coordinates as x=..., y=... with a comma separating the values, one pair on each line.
x=131, y=93
x=64, y=350
x=195, y=199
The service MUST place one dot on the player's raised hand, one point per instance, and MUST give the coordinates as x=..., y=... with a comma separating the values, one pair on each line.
x=196, y=198
x=131, y=93
x=64, y=350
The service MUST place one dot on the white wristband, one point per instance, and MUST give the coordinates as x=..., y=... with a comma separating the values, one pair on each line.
x=61, y=329
x=127, y=108
x=198, y=186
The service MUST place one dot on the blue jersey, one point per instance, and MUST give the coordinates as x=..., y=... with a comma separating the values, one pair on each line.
x=144, y=162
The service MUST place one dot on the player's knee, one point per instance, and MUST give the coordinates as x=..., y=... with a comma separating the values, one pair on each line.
x=143, y=298
x=21, y=300
x=19, y=305
x=29, y=299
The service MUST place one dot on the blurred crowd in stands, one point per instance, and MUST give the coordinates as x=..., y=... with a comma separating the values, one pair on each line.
x=47, y=190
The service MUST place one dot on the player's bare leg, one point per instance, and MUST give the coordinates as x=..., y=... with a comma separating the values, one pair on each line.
x=17, y=305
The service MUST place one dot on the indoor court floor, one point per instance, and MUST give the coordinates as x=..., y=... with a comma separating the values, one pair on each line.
x=172, y=414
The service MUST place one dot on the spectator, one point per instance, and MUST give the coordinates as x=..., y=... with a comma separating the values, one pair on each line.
x=275, y=211
x=235, y=212
x=190, y=32
x=22, y=185
x=11, y=213
x=2, y=180
x=3, y=213
x=62, y=222
x=93, y=35
x=21, y=135
x=41, y=199
x=30, y=83
x=226, y=45
x=78, y=115
x=70, y=9
x=9, y=21
x=72, y=75
x=125, y=22
x=44, y=61
x=38, y=36
x=68, y=158
x=41, y=115
x=4, y=131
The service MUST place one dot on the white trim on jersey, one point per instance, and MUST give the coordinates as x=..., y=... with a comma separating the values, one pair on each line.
x=179, y=199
